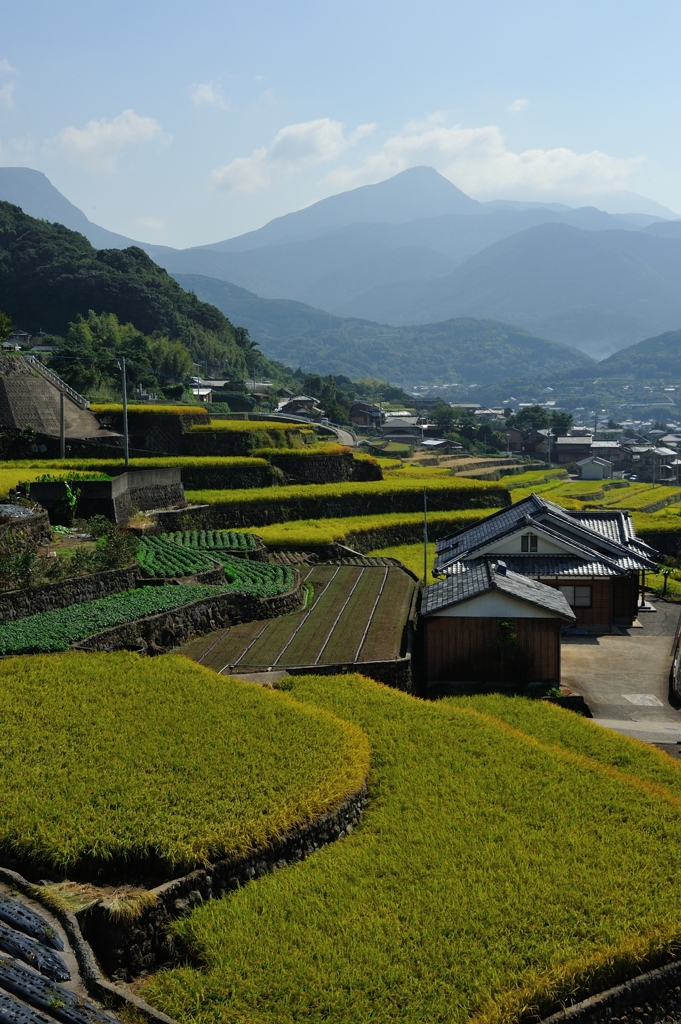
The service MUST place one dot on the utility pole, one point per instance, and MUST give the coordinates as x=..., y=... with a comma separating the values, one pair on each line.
x=425, y=537
x=62, y=428
x=125, y=414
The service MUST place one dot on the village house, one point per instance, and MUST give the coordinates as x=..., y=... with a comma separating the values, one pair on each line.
x=485, y=623
x=594, y=468
x=301, y=405
x=571, y=448
x=594, y=558
x=366, y=414
x=649, y=463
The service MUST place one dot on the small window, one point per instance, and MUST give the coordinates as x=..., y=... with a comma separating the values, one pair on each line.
x=577, y=597
x=528, y=542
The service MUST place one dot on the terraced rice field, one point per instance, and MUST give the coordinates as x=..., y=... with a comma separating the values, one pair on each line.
x=358, y=614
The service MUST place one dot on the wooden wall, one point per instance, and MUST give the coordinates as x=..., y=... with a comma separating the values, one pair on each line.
x=472, y=650
x=601, y=611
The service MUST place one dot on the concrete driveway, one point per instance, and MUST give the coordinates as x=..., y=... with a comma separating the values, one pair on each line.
x=625, y=679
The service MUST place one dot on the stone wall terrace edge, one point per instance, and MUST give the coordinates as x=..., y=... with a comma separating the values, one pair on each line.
x=18, y=604
x=161, y=633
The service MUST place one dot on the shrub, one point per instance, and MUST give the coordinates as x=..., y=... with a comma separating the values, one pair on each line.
x=499, y=866
x=158, y=764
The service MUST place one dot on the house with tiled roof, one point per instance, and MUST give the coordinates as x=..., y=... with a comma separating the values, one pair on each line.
x=486, y=623
x=593, y=558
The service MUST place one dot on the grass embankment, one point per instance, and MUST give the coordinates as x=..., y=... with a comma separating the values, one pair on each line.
x=109, y=408
x=18, y=471
x=355, y=530
x=410, y=555
x=496, y=868
x=441, y=488
x=110, y=761
x=250, y=426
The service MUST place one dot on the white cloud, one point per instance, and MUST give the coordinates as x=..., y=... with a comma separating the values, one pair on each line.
x=7, y=95
x=99, y=144
x=206, y=95
x=7, y=69
x=292, y=148
x=155, y=223
x=478, y=161
x=518, y=106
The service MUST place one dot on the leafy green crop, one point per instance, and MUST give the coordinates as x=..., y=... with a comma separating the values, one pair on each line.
x=176, y=554
x=158, y=556
x=211, y=540
x=57, y=630
x=111, y=761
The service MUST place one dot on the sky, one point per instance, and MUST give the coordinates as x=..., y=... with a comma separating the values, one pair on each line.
x=186, y=123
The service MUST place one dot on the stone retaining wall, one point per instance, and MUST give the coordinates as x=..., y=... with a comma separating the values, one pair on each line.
x=126, y=948
x=396, y=673
x=325, y=469
x=239, y=515
x=158, y=634
x=18, y=604
x=23, y=532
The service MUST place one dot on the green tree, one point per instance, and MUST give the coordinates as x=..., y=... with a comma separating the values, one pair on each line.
x=5, y=326
x=561, y=423
x=534, y=417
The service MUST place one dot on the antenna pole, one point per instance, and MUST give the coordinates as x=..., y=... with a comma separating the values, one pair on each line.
x=125, y=414
x=62, y=428
x=425, y=537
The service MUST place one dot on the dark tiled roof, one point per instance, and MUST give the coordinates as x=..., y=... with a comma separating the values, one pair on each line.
x=603, y=537
x=558, y=565
x=474, y=578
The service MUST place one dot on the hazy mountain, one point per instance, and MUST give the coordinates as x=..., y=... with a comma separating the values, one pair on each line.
x=652, y=359
x=334, y=269
x=591, y=289
x=37, y=196
x=415, y=249
x=466, y=350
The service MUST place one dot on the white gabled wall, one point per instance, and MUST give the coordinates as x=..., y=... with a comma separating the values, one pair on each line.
x=510, y=545
x=494, y=604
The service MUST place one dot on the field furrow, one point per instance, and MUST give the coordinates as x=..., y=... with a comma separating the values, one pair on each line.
x=264, y=651
x=307, y=644
x=346, y=636
x=228, y=649
x=385, y=635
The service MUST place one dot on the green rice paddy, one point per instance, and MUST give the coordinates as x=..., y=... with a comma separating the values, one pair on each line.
x=511, y=855
x=115, y=763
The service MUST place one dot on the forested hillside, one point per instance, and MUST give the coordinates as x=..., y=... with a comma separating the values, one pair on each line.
x=462, y=350
x=652, y=359
x=50, y=276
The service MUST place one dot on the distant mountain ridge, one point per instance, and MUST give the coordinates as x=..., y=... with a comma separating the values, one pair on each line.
x=462, y=350
x=416, y=250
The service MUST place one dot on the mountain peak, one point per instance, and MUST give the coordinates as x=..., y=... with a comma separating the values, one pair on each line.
x=415, y=193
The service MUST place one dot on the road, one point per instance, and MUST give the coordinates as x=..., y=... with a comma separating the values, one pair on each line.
x=625, y=679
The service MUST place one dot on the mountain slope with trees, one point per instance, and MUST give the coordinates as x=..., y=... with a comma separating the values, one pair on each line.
x=656, y=358
x=461, y=350
x=50, y=277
